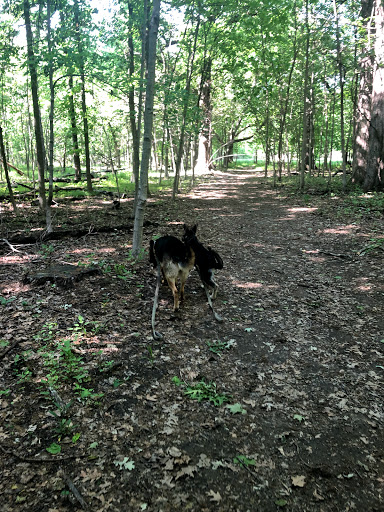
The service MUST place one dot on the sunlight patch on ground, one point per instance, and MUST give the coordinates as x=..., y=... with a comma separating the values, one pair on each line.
x=248, y=285
x=341, y=230
x=14, y=288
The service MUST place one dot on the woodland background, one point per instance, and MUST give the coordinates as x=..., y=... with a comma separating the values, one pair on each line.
x=190, y=85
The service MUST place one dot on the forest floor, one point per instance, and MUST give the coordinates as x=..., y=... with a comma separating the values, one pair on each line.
x=291, y=382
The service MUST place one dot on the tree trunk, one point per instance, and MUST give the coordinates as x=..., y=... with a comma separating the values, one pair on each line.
x=5, y=165
x=148, y=125
x=52, y=104
x=37, y=117
x=341, y=85
x=191, y=58
x=205, y=136
x=374, y=179
x=304, y=146
x=83, y=98
x=75, y=140
x=132, y=110
x=363, y=105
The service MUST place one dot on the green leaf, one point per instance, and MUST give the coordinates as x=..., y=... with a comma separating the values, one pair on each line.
x=281, y=503
x=125, y=464
x=76, y=437
x=299, y=418
x=236, y=409
x=54, y=449
x=176, y=381
x=244, y=461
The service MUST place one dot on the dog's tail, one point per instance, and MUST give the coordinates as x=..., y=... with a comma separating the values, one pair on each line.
x=152, y=257
x=215, y=260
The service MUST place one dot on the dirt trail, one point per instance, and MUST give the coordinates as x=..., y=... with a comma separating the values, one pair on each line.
x=302, y=371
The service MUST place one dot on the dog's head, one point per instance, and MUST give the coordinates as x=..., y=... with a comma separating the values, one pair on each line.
x=189, y=233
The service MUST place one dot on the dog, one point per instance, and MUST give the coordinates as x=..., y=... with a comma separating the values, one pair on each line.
x=206, y=262
x=175, y=260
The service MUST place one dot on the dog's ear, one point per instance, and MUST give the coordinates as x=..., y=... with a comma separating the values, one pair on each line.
x=194, y=228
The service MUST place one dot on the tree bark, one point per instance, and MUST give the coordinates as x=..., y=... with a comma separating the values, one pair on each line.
x=374, y=179
x=5, y=165
x=363, y=106
x=75, y=140
x=148, y=125
x=37, y=118
x=341, y=85
x=83, y=98
x=304, y=146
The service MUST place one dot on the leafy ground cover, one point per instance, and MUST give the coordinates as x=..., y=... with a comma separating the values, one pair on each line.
x=277, y=408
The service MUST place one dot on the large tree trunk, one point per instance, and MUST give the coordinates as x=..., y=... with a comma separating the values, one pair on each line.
x=148, y=125
x=374, y=179
x=363, y=106
x=37, y=117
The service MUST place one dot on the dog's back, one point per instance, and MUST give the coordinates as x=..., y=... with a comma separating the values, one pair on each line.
x=176, y=260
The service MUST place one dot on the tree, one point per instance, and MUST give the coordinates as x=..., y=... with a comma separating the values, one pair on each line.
x=148, y=125
x=32, y=65
x=374, y=178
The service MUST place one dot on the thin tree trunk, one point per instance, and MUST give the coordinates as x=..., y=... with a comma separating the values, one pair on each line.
x=341, y=85
x=52, y=104
x=5, y=165
x=75, y=140
x=191, y=59
x=148, y=126
x=36, y=111
x=304, y=146
x=83, y=98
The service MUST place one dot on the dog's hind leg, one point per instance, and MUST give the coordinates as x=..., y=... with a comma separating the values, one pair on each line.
x=172, y=284
x=217, y=317
x=156, y=335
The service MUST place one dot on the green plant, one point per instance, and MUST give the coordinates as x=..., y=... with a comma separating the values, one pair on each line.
x=4, y=301
x=217, y=346
x=85, y=327
x=54, y=449
x=374, y=244
x=85, y=393
x=244, y=461
x=46, y=250
x=206, y=391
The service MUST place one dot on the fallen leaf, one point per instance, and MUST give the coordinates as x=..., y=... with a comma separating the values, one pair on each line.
x=214, y=496
x=298, y=481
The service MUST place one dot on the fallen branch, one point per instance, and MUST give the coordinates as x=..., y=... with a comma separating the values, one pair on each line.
x=5, y=242
x=74, y=490
x=15, y=168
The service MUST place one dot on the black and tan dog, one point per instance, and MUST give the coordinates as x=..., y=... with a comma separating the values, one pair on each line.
x=206, y=262
x=175, y=259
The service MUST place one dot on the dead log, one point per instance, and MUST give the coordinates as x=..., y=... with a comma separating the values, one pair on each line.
x=61, y=275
